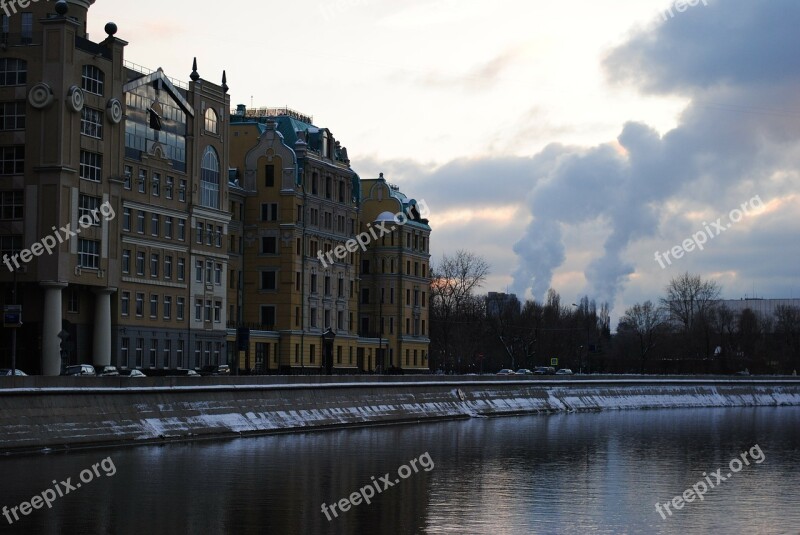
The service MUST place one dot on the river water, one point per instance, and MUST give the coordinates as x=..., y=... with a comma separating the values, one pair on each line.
x=566, y=473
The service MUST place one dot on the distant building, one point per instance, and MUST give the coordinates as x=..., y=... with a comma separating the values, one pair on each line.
x=498, y=304
x=764, y=307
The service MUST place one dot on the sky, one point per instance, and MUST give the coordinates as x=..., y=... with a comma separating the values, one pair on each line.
x=566, y=142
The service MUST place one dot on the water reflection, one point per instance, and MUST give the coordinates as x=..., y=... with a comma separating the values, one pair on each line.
x=568, y=473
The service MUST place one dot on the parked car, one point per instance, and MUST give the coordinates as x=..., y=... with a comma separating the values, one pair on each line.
x=222, y=369
x=17, y=372
x=544, y=370
x=190, y=373
x=505, y=371
x=131, y=373
x=564, y=371
x=106, y=371
x=86, y=370
x=524, y=371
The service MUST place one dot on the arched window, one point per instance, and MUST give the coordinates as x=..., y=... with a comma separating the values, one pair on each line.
x=211, y=121
x=209, y=179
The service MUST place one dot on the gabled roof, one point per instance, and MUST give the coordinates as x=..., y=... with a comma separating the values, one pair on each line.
x=168, y=86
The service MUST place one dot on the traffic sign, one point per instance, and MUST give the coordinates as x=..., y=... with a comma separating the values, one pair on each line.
x=12, y=316
x=553, y=362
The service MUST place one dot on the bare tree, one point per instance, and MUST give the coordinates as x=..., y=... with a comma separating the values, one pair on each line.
x=454, y=281
x=689, y=299
x=645, y=322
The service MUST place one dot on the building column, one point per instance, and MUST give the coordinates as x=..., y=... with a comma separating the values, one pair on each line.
x=51, y=326
x=102, y=327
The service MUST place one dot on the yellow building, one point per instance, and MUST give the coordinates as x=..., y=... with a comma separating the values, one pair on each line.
x=301, y=300
x=395, y=277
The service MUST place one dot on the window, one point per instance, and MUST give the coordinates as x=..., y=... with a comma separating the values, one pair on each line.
x=140, y=222
x=364, y=296
x=139, y=304
x=13, y=71
x=140, y=263
x=126, y=219
x=11, y=205
x=209, y=270
x=218, y=274
x=313, y=317
x=328, y=187
x=167, y=307
x=210, y=235
x=154, y=219
x=167, y=353
x=12, y=115
x=92, y=122
x=142, y=180
x=219, y=236
x=93, y=80
x=326, y=319
x=269, y=245
x=269, y=212
x=168, y=226
x=170, y=185
x=327, y=284
x=154, y=263
x=139, y=352
x=198, y=310
x=208, y=310
x=73, y=302
x=269, y=176
x=267, y=315
x=198, y=271
x=156, y=184
x=209, y=179
x=12, y=160
x=89, y=207
x=91, y=166
x=27, y=28
x=181, y=269
x=198, y=235
x=268, y=280
x=128, y=175
x=181, y=229
x=217, y=311
x=179, y=354
x=180, y=306
x=211, y=121
x=126, y=260
x=167, y=267
x=154, y=305
x=125, y=351
x=153, y=352
x=182, y=191
x=88, y=253
x=313, y=283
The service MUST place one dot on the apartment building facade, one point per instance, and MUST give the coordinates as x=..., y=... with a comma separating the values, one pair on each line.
x=81, y=130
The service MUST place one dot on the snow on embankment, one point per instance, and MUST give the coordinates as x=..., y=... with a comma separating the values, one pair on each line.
x=33, y=418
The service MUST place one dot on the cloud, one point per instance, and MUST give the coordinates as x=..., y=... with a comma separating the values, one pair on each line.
x=729, y=59
x=479, y=78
